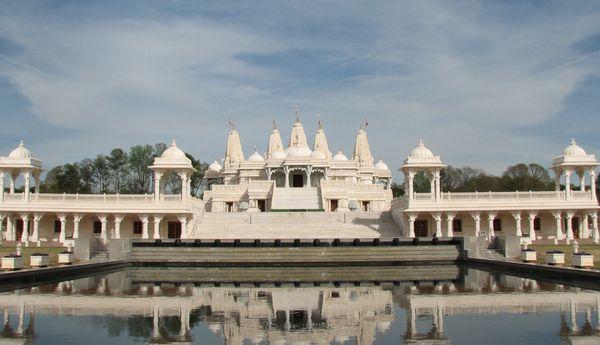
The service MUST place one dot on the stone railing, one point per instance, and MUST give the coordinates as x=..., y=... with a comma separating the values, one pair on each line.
x=500, y=197
x=93, y=199
x=351, y=187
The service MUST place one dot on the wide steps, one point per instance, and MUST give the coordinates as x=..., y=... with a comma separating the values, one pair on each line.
x=299, y=255
x=296, y=199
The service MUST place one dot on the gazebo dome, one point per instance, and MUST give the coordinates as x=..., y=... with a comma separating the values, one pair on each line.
x=340, y=156
x=298, y=151
x=174, y=153
x=318, y=155
x=421, y=151
x=20, y=153
x=574, y=150
x=256, y=157
x=215, y=166
x=279, y=154
x=381, y=165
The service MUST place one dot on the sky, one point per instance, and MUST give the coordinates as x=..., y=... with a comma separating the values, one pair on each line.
x=484, y=83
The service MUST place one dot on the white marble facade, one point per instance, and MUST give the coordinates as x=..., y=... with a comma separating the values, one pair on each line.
x=342, y=195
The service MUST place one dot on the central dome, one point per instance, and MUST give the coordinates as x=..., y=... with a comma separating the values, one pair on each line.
x=174, y=153
x=256, y=157
x=297, y=151
x=421, y=151
x=574, y=150
x=215, y=166
x=340, y=156
x=20, y=153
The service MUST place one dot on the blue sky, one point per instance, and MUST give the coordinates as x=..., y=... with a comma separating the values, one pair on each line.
x=485, y=84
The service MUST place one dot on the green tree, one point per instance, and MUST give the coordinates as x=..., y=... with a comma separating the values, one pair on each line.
x=140, y=176
x=118, y=165
x=397, y=189
x=421, y=183
x=100, y=173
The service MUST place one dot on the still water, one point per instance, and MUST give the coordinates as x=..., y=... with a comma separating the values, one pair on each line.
x=448, y=305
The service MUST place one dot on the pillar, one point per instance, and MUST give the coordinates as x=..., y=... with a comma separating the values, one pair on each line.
x=531, y=218
x=21, y=324
x=157, y=220
x=585, y=229
x=438, y=224
x=103, y=232
x=286, y=171
x=157, y=177
x=517, y=217
x=63, y=228
x=10, y=229
x=573, y=314
x=440, y=325
x=144, y=219
x=27, y=186
x=308, y=174
x=2, y=177
x=491, y=217
x=38, y=181
x=595, y=234
x=477, y=218
x=557, y=179
x=581, y=175
x=411, y=177
x=35, y=236
x=155, y=329
x=438, y=188
x=287, y=320
x=118, y=219
x=569, y=220
x=432, y=185
x=558, y=217
x=76, y=219
x=593, y=183
x=449, y=219
x=184, y=183
x=568, y=184
x=411, y=225
x=413, y=321
x=13, y=178
x=25, y=233
x=183, y=222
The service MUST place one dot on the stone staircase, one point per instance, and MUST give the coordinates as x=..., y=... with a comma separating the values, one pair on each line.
x=98, y=251
x=296, y=199
x=491, y=252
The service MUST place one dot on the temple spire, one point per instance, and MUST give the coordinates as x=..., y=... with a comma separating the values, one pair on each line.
x=298, y=137
x=275, y=142
x=233, y=152
x=362, y=151
x=321, y=144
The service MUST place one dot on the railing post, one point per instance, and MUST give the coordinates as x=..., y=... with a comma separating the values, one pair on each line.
x=104, y=197
x=77, y=197
x=476, y=195
x=530, y=194
x=64, y=197
x=517, y=195
x=490, y=194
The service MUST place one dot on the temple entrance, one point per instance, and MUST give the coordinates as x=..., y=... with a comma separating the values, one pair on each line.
x=575, y=226
x=262, y=205
x=174, y=230
x=333, y=205
x=19, y=228
x=421, y=228
x=297, y=180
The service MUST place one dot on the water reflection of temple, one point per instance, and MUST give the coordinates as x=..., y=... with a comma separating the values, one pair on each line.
x=276, y=315
x=288, y=314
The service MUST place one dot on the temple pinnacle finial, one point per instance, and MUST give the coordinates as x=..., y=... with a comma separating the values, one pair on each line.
x=421, y=142
x=173, y=143
x=274, y=123
x=231, y=125
x=21, y=144
x=319, y=121
x=297, y=111
x=573, y=141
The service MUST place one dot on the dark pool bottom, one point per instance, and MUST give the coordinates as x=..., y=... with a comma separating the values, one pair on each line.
x=436, y=304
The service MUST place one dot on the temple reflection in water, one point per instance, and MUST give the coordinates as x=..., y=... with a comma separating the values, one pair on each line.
x=316, y=313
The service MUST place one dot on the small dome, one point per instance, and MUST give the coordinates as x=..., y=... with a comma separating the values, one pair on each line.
x=279, y=154
x=256, y=157
x=215, y=166
x=421, y=151
x=381, y=166
x=173, y=152
x=340, y=156
x=298, y=152
x=318, y=155
x=574, y=150
x=20, y=153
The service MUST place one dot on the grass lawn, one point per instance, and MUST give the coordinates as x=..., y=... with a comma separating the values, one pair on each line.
x=27, y=251
x=568, y=250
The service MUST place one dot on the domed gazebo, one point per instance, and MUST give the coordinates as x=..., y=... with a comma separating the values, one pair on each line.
x=422, y=159
x=575, y=160
x=20, y=161
x=172, y=160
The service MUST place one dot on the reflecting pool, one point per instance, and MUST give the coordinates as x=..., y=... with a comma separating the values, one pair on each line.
x=388, y=305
